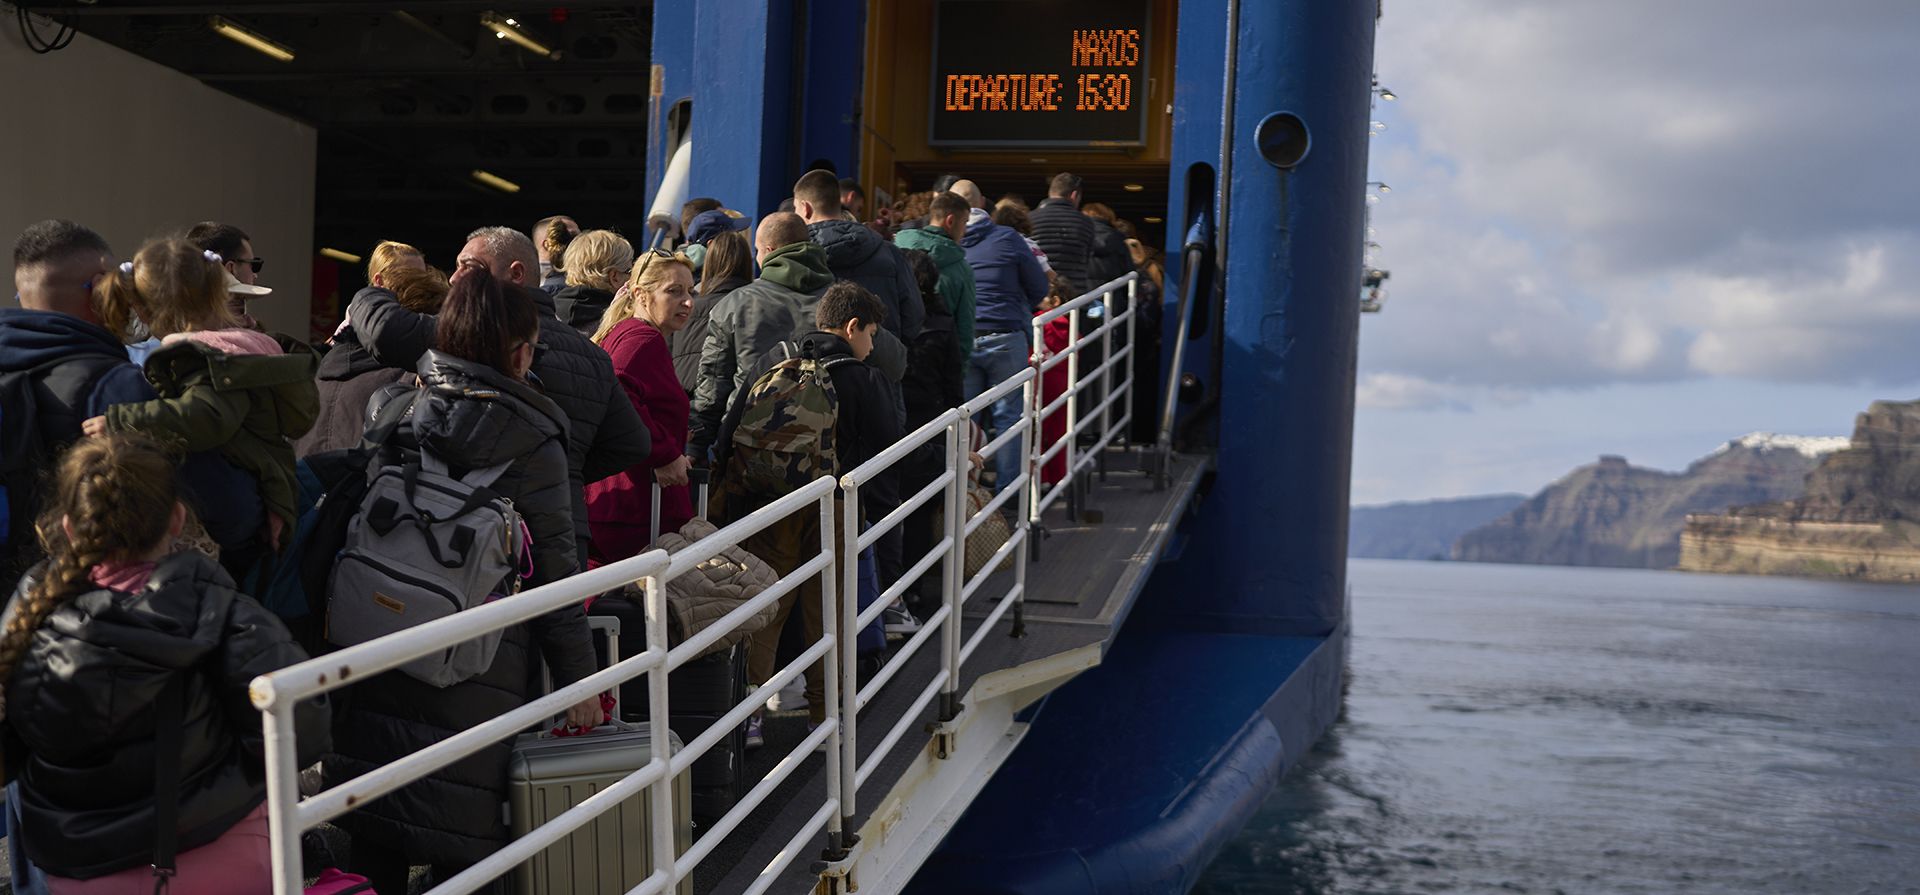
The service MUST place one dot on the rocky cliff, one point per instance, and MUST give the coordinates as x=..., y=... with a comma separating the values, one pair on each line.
x=1859, y=516
x=1423, y=529
x=1615, y=514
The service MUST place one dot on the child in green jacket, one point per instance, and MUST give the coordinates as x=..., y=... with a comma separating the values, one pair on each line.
x=222, y=387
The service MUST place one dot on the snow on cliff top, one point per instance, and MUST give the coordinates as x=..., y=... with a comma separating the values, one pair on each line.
x=1807, y=445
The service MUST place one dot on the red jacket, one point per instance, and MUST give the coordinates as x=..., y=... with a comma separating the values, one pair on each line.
x=1056, y=336
x=619, y=507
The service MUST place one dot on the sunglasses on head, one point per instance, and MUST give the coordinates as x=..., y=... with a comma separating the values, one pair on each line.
x=647, y=258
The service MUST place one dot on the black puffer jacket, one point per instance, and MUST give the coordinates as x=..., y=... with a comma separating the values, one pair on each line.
x=349, y=376
x=687, y=342
x=1066, y=236
x=858, y=255
x=935, y=381
x=606, y=434
x=1111, y=259
x=470, y=416
x=581, y=307
x=81, y=716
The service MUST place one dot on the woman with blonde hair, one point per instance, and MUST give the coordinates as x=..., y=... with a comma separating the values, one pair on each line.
x=390, y=257
x=647, y=312
x=596, y=263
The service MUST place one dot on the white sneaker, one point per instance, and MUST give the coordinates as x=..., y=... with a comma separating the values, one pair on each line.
x=791, y=698
x=900, y=620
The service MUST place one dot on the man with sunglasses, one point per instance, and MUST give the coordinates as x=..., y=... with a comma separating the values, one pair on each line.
x=235, y=249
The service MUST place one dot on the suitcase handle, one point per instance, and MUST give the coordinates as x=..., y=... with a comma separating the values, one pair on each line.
x=601, y=624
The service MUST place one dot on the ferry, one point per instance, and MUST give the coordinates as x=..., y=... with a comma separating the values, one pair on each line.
x=1161, y=633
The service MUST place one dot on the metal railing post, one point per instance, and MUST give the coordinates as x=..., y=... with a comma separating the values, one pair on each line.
x=1031, y=514
x=1033, y=395
x=1106, y=378
x=849, y=646
x=1073, y=415
x=283, y=798
x=1133, y=356
x=953, y=570
x=839, y=765
x=659, y=795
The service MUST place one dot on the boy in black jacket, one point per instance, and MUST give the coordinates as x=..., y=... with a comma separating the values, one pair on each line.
x=847, y=318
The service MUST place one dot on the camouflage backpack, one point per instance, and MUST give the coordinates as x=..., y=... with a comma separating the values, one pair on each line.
x=786, y=434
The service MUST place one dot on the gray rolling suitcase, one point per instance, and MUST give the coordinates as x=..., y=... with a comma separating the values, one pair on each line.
x=548, y=775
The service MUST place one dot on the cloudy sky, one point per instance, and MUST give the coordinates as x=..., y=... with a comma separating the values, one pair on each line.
x=1637, y=228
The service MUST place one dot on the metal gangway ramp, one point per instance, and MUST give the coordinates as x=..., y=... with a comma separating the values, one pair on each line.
x=862, y=800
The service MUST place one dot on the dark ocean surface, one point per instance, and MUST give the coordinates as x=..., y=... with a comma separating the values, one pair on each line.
x=1549, y=729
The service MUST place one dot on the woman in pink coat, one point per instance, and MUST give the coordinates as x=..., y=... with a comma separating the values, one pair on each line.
x=654, y=305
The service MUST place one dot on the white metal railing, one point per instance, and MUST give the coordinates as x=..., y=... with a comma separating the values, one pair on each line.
x=1042, y=496
x=277, y=693
x=841, y=541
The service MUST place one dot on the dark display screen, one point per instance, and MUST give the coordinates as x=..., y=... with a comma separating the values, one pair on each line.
x=1039, y=72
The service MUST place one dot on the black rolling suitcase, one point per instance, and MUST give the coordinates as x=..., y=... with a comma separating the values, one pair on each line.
x=698, y=693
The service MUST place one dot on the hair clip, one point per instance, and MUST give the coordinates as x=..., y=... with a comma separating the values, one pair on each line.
x=126, y=267
x=213, y=256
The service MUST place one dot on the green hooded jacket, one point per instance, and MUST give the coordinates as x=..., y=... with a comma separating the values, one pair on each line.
x=248, y=407
x=748, y=322
x=956, y=277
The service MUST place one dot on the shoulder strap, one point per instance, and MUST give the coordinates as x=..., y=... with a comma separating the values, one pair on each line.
x=482, y=477
x=168, y=744
x=388, y=420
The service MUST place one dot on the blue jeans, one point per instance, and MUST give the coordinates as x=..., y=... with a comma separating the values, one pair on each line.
x=996, y=358
x=27, y=879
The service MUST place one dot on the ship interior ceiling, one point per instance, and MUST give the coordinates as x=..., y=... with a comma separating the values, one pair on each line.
x=410, y=100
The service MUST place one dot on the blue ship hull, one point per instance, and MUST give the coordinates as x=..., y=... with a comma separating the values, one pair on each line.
x=1136, y=774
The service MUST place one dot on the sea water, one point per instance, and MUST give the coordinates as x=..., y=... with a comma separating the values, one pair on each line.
x=1550, y=729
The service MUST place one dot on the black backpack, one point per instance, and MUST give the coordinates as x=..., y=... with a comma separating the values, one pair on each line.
x=27, y=458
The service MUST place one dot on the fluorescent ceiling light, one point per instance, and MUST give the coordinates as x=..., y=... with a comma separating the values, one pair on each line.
x=1132, y=187
x=338, y=255
x=496, y=181
x=1154, y=220
x=250, y=39
x=505, y=28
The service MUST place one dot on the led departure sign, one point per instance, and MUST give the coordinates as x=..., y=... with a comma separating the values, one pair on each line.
x=1039, y=72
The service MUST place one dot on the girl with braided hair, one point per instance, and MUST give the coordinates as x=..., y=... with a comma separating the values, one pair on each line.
x=109, y=641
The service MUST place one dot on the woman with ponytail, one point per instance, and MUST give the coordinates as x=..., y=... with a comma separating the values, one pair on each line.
x=111, y=628
x=221, y=386
x=475, y=409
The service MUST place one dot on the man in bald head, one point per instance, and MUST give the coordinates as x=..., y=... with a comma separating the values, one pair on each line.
x=749, y=321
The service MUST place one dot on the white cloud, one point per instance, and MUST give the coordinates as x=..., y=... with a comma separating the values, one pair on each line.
x=1395, y=391
x=1635, y=191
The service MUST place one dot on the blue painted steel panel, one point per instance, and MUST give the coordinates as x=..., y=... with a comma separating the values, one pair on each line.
x=1276, y=538
x=835, y=63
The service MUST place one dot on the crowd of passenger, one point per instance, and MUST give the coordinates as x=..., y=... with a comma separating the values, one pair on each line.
x=170, y=466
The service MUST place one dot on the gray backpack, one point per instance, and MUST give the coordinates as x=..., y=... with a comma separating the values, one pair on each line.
x=426, y=545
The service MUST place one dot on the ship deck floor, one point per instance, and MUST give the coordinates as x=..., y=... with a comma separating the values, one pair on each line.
x=1088, y=577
